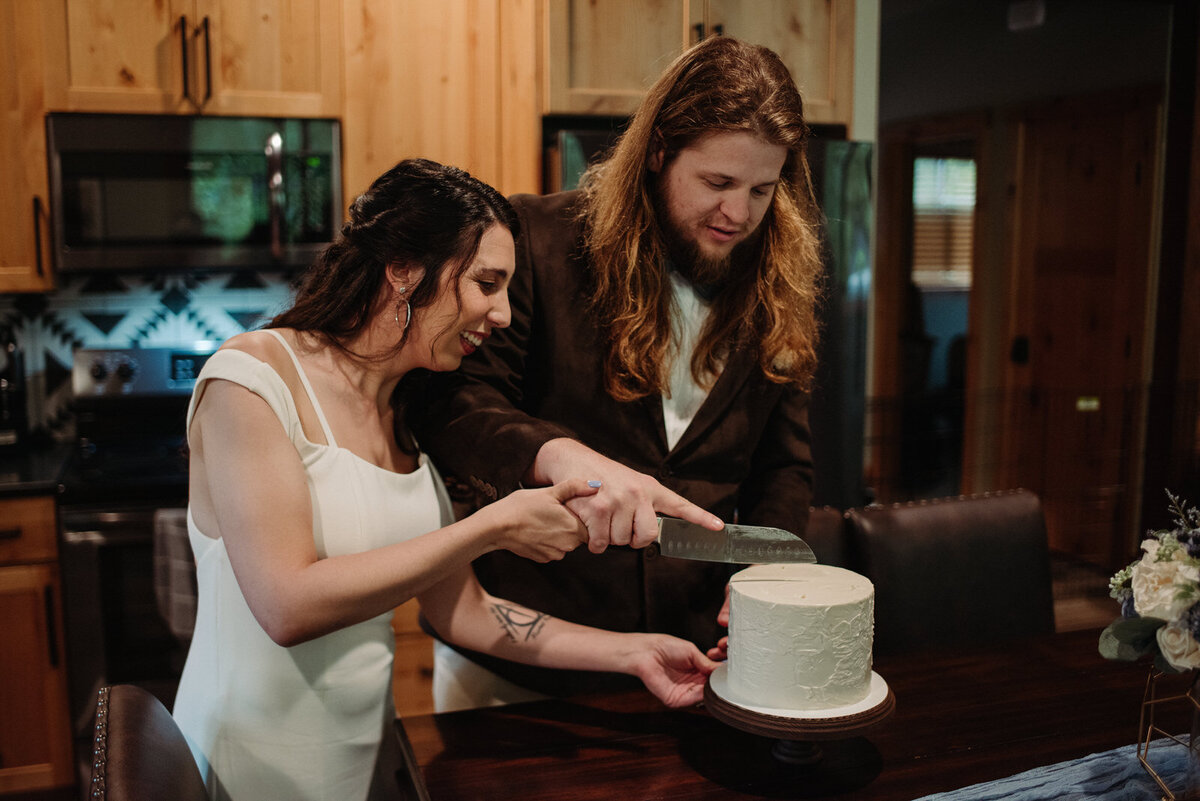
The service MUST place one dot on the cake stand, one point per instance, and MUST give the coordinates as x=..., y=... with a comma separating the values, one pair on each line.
x=796, y=730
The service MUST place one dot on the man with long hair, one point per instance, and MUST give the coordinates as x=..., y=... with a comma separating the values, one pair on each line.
x=663, y=339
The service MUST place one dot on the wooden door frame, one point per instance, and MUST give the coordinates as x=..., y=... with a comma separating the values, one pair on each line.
x=893, y=268
x=1172, y=451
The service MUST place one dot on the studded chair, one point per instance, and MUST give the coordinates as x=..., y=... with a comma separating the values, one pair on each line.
x=956, y=570
x=138, y=751
x=828, y=536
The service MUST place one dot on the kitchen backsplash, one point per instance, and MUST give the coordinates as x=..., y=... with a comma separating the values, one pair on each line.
x=115, y=310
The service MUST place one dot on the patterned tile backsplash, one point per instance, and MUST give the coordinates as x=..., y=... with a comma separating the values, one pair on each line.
x=118, y=310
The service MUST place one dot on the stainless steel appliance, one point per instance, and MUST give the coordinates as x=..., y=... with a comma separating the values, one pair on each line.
x=161, y=192
x=13, y=421
x=131, y=460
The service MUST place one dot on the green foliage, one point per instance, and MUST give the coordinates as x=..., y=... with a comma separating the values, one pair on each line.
x=1121, y=583
x=1129, y=640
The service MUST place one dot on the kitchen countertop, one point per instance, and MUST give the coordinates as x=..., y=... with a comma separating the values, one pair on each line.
x=35, y=471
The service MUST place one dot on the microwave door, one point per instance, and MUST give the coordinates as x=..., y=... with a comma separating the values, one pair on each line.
x=149, y=192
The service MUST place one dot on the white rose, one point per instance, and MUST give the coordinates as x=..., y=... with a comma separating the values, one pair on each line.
x=1178, y=647
x=1155, y=588
x=1151, y=547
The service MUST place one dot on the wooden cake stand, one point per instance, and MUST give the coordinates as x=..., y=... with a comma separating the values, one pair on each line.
x=796, y=731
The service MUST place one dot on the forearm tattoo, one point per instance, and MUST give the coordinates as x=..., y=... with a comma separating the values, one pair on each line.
x=520, y=625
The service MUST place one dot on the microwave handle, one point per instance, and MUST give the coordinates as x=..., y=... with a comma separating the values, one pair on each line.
x=207, y=63
x=37, y=235
x=274, y=151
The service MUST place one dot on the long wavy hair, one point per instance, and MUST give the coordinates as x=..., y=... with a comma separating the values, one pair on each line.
x=418, y=213
x=718, y=85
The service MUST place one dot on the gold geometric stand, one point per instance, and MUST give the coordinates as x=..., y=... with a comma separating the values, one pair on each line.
x=1148, y=732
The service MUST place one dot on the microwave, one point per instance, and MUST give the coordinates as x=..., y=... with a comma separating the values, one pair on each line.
x=165, y=192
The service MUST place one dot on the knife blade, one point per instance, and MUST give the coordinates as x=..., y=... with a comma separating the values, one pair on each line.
x=736, y=544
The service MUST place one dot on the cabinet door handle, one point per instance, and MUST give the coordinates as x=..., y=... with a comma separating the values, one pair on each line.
x=51, y=625
x=207, y=62
x=37, y=237
x=718, y=30
x=10, y=534
x=183, y=52
x=699, y=28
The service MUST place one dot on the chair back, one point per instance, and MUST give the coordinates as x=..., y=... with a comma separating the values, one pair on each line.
x=826, y=534
x=956, y=570
x=138, y=751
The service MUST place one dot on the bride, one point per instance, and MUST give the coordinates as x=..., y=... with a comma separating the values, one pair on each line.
x=313, y=513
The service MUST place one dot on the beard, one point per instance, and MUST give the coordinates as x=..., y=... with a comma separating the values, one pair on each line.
x=706, y=273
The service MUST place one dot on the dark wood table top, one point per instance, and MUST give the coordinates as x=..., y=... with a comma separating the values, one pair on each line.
x=961, y=718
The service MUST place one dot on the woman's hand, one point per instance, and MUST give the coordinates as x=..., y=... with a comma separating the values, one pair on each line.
x=671, y=668
x=536, y=523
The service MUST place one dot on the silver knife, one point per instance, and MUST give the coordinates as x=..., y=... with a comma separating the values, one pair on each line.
x=735, y=543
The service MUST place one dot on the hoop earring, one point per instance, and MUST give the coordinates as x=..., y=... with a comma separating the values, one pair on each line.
x=407, y=310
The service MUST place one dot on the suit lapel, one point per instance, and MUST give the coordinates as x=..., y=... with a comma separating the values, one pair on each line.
x=654, y=410
x=737, y=369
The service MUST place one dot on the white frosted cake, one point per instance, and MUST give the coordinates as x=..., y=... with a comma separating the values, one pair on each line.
x=800, y=636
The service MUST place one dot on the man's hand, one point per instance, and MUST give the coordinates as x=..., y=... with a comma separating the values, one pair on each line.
x=624, y=511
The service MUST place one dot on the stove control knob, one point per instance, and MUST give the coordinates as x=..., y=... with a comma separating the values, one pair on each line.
x=99, y=372
x=126, y=371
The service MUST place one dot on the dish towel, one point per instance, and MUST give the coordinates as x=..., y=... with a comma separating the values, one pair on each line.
x=1114, y=775
x=174, y=573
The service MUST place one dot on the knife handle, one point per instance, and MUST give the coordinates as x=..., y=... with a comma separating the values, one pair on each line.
x=652, y=550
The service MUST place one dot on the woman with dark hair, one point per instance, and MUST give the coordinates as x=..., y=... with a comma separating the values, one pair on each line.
x=313, y=513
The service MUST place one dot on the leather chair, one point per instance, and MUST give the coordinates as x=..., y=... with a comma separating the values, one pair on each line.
x=138, y=751
x=827, y=536
x=957, y=570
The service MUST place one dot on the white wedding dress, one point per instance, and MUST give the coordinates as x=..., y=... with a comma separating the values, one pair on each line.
x=267, y=722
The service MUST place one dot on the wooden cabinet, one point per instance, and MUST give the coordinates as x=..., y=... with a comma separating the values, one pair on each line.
x=412, y=670
x=24, y=237
x=604, y=54
x=35, y=732
x=454, y=81
x=280, y=57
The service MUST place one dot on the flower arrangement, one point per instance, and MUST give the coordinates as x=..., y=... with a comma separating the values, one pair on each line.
x=1159, y=595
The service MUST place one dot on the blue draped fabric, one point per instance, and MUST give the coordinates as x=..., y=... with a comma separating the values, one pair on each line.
x=1114, y=775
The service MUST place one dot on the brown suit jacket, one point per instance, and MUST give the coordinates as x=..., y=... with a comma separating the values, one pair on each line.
x=746, y=453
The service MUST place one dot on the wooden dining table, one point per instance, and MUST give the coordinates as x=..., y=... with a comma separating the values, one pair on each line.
x=962, y=716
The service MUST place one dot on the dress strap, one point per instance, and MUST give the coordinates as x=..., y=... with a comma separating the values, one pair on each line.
x=312, y=396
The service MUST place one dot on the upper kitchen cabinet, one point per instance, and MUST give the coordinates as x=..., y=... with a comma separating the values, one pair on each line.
x=453, y=81
x=24, y=239
x=266, y=58
x=604, y=54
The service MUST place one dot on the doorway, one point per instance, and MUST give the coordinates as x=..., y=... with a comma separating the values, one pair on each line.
x=925, y=335
x=1052, y=362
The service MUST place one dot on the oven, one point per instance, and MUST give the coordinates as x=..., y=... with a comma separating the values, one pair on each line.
x=129, y=468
